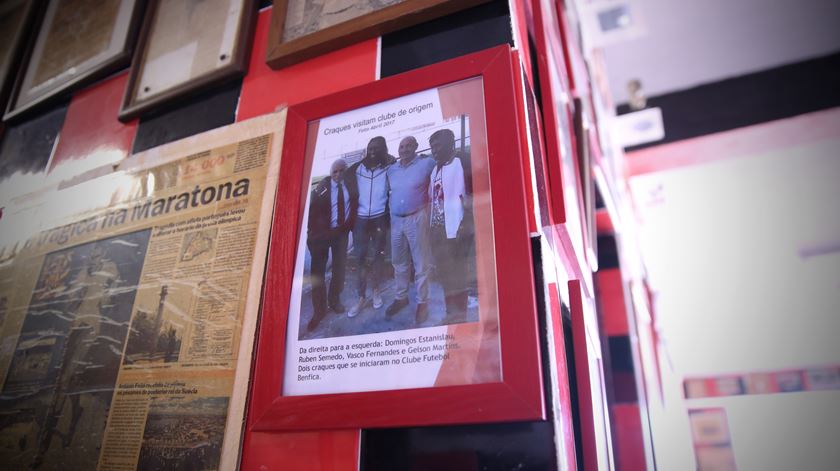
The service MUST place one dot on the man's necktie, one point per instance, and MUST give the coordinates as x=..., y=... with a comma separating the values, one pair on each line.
x=340, y=216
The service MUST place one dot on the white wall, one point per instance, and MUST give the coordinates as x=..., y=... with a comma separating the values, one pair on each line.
x=725, y=244
x=695, y=42
x=722, y=248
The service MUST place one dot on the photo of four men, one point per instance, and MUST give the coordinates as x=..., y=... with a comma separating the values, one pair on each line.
x=415, y=208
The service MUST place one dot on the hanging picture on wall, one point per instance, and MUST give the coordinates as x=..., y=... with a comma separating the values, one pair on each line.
x=15, y=20
x=401, y=212
x=186, y=46
x=301, y=29
x=128, y=307
x=79, y=41
x=583, y=149
x=395, y=211
x=562, y=173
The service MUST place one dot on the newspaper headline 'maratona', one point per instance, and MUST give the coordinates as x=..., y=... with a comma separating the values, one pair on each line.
x=199, y=196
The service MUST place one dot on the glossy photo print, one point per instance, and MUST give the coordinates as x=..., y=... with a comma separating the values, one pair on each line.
x=389, y=253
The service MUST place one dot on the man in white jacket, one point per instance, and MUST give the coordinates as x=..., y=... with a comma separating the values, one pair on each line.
x=447, y=197
x=367, y=183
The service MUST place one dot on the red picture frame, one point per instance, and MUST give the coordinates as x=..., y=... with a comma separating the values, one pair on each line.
x=519, y=393
x=568, y=221
x=596, y=436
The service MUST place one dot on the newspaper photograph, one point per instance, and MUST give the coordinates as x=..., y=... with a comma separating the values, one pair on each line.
x=126, y=327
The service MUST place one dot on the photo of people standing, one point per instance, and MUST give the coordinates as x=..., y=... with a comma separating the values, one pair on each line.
x=390, y=240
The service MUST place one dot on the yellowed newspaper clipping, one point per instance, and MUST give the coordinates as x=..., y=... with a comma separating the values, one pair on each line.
x=126, y=330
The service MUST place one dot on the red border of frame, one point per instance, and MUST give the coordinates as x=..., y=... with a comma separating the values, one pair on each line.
x=586, y=406
x=575, y=263
x=519, y=396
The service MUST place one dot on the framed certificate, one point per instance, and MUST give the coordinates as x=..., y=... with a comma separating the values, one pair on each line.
x=301, y=29
x=78, y=42
x=399, y=287
x=187, y=46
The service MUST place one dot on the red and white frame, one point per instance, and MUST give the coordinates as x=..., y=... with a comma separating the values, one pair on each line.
x=519, y=393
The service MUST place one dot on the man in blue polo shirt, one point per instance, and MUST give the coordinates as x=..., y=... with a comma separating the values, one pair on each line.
x=409, y=204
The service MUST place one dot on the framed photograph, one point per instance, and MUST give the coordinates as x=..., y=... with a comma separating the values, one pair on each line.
x=709, y=426
x=78, y=42
x=583, y=149
x=561, y=162
x=535, y=135
x=593, y=408
x=187, y=46
x=301, y=29
x=399, y=288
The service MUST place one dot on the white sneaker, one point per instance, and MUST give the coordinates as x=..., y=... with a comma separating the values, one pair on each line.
x=377, y=299
x=357, y=308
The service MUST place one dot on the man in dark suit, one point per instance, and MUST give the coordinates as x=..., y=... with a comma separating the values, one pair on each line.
x=331, y=213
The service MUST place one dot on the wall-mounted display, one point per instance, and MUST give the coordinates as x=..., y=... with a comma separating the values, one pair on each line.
x=78, y=42
x=186, y=46
x=537, y=150
x=712, y=439
x=400, y=215
x=128, y=309
x=561, y=161
x=301, y=29
x=593, y=409
x=583, y=149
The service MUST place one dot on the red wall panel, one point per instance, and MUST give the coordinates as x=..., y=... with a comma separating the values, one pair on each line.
x=91, y=135
x=629, y=443
x=304, y=451
x=264, y=89
x=611, y=296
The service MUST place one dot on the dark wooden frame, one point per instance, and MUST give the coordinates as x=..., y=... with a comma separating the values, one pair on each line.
x=237, y=68
x=408, y=13
x=95, y=72
x=519, y=393
x=7, y=77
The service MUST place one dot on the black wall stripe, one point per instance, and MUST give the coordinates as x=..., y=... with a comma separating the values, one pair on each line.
x=471, y=30
x=599, y=200
x=542, y=324
x=571, y=372
x=489, y=447
x=607, y=252
x=27, y=146
x=206, y=111
x=778, y=93
x=620, y=353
